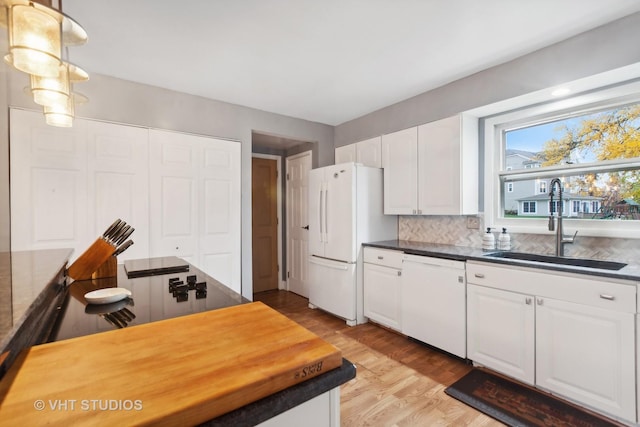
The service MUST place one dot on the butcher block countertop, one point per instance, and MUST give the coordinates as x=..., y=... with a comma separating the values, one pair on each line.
x=180, y=371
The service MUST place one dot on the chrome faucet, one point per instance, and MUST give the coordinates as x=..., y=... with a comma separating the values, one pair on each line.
x=561, y=240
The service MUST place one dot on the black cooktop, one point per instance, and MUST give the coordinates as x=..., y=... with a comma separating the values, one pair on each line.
x=154, y=297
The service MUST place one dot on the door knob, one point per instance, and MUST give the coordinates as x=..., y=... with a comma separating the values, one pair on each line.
x=306, y=227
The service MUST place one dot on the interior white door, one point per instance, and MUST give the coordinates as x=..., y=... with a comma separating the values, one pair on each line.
x=340, y=212
x=298, y=167
x=316, y=211
x=219, y=229
x=117, y=176
x=195, y=202
x=173, y=195
x=48, y=184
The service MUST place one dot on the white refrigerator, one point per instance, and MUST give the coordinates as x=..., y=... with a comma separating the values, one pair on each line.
x=345, y=210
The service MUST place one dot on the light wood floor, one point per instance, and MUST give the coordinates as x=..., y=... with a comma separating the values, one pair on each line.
x=398, y=383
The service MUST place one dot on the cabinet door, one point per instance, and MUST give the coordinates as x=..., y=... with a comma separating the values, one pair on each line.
x=586, y=354
x=368, y=152
x=399, y=150
x=346, y=153
x=439, y=167
x=382, y=295
x=500, y=331
x=433, y=305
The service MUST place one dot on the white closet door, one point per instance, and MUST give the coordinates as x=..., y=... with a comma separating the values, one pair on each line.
x=118, y=182
x=219, y=213
x=195, y=202
x=48, y=184
x=173, y=208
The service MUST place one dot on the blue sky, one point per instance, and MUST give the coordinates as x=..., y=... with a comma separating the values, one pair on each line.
x=533, y=138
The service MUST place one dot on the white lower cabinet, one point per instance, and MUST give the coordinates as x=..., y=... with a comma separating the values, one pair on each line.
x=572, y=335
x=382, y=287
x=587, y=354
x=500, y=331
x=433, y=302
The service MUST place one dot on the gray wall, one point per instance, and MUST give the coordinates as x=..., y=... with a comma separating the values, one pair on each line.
x=605, y=48
x=120, y=101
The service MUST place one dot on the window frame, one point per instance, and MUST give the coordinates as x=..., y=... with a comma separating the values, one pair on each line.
x=495, y=178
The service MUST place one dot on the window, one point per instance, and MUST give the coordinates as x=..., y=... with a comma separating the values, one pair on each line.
x=593, y=146
x=542, y=187
x=529, y=207
x=575, y=206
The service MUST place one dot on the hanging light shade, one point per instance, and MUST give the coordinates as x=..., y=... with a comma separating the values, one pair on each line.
x=35, y=44
x=54, y=90
x=60, y=115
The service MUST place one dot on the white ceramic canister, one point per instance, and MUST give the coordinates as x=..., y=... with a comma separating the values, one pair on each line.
x=488, y=240
x=504, y=241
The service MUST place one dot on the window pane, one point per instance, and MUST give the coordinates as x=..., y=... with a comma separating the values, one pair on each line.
x=606, y=135
x=611, y=195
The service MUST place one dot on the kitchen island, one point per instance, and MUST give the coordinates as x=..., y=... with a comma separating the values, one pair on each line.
x=214, y=359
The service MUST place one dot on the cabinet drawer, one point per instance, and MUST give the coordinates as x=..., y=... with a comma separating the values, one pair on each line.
x=386, y=257
x=596, y=291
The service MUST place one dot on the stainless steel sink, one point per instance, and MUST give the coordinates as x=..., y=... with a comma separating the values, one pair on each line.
x=550, y=259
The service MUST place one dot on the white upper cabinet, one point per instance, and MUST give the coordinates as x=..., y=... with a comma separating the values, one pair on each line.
x=367, y=152
x=448, y=166
x=346, y=153
x=399, y=151
x=432, y=169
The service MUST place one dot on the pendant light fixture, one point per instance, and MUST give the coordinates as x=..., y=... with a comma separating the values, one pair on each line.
x=50, y=90
x=38, y=35
x=35, y=45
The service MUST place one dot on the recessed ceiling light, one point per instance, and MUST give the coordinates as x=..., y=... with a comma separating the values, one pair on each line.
x=561, y=91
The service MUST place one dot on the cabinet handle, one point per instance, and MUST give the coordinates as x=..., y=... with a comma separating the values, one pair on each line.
x=527, y=301
x=399, y=272
x=414, y=211
x=479, y=275
x=419, y=211
x=607, y=297
x=460, y=279
x=380, y=257
x=539, y=301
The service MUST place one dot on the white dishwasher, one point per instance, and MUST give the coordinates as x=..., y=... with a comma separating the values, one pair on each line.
x=434, y=302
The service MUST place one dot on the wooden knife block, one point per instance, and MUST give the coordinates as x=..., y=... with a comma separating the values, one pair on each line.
x=108, y=269
x=92, y=260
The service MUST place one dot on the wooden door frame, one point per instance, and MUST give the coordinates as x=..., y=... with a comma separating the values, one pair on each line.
x=278, y=159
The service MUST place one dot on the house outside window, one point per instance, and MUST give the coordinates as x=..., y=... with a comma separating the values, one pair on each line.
x=542, y=187
x=529, y=207
x=598, y=169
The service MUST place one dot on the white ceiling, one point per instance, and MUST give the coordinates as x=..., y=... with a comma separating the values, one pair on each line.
x=327, y=61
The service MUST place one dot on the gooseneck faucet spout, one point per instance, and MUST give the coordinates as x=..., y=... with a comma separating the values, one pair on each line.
x=561, y=240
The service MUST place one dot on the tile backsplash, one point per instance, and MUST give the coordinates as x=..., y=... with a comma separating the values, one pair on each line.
x=452, y=230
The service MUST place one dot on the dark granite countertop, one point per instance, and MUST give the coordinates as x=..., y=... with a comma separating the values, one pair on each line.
x=23, y=276
x=463, y=253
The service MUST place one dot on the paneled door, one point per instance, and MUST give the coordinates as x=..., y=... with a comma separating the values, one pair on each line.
x=264, y=224
x=298, y=167
x=70, y=184
x=117, y=176
x=195, y=202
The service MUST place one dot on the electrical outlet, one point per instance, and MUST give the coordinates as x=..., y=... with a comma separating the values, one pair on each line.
x=473, y=222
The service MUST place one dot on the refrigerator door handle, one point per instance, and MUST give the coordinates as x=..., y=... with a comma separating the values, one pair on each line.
x=334, y=265
x=326, y=215
x=320, y=215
